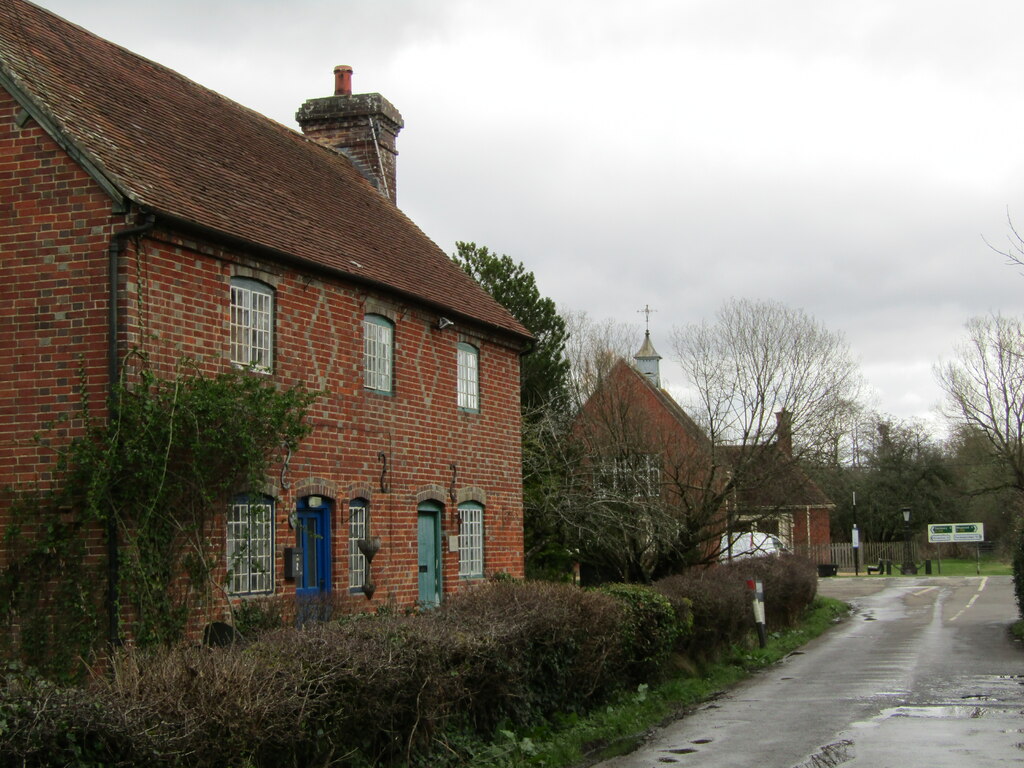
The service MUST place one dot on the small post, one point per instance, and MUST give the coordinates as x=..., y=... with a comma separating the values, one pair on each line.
x=757, y=586
x=856, y=550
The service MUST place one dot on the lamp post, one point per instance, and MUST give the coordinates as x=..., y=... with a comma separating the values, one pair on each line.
x=909, y=568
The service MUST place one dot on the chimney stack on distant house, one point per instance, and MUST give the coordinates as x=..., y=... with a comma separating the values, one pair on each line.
x=363, y=127
x=784, y=432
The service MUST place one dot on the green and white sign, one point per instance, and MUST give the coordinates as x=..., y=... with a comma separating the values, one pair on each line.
x=944, y=533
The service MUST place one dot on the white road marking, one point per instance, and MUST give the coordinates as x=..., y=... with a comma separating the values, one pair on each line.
x=922, y=591
x=970, y=602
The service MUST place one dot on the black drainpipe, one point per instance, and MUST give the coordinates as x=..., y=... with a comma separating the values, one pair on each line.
x=117, y=241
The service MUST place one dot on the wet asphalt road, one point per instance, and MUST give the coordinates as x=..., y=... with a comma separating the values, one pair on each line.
x=923, y=674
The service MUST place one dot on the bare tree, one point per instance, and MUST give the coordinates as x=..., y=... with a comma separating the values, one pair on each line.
x=984, y=387
x=759, y=358
x=592, y=349
x=638, y=464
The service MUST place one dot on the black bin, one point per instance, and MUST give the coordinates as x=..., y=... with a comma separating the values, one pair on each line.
x=828, y=569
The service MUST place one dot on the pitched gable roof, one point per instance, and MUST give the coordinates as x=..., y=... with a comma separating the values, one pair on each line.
x=171, y=146
x=666, y=401
x=771, y=479
x=775, y=480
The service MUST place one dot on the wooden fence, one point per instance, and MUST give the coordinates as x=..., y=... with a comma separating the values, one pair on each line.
x=870, y=553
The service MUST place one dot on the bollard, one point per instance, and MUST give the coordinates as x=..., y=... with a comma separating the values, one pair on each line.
x=757, y=586
x=888, y=567
x=928, y=567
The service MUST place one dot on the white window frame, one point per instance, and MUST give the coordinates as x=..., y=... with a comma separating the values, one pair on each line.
x=378, y=353
x=468, y=377
x=358, y=518
x=252, y=323
x=635, y=476
x=471, y=540
x=250, y=546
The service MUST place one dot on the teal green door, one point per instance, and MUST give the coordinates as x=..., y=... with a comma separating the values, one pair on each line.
x=429, y=560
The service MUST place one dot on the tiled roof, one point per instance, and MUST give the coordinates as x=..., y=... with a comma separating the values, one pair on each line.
x=774, y=479
x=771, y=478
x=183, y=151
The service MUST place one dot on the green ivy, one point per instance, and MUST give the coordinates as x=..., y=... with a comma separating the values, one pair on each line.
x=160, y=471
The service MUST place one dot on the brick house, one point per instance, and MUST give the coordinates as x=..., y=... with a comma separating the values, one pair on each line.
x=659, y=464
x=139, y=210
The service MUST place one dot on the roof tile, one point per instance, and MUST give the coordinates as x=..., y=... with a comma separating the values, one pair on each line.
x=184, y=151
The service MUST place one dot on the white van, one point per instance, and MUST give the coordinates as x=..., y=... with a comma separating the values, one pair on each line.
x=748, y=544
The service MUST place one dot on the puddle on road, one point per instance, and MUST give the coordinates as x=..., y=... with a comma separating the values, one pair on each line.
x=947, y=712
x=830, y=755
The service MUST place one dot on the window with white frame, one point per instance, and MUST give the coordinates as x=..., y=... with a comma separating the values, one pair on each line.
x=633, y=476
x=250, y=546
x=358, y=510
x=252, y=323
x=469, y=377
x=471, y=540
x=378, y=352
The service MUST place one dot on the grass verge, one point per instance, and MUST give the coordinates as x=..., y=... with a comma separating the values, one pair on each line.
x=621, y=726
x=1017, y=629
x=989, y=566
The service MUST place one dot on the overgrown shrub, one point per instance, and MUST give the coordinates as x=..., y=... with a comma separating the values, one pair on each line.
x=377, y=689
x=720, y=605
x=43, y=724
x=790, y=585
x=721, y=600
x=650, y=628
x=529, y=650
x=1018, y=566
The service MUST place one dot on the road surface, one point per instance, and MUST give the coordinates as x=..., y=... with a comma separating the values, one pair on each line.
x=924, y=673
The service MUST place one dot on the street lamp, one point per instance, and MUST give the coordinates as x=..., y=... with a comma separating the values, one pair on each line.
x=909, y=568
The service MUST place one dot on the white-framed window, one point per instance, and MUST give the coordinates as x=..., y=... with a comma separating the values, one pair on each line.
x=471, y=540
x=635, y=476
x=358, y=511
x=378, y=352
x=252, y=323
x=469, y=377
x=250, y=546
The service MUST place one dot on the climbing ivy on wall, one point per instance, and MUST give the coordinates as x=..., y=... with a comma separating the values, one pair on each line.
x=161, y=471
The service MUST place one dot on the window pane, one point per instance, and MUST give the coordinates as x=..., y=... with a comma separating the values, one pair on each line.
x=377, y=352
x=471, y=540
x=357, y=530
x=250, y=547
x=252, y=313
x=468, y=377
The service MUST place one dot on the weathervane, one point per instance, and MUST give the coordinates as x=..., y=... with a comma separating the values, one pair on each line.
x=646, y=311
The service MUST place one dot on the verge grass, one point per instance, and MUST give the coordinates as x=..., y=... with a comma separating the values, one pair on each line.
x=990, y=566
x=622, y=725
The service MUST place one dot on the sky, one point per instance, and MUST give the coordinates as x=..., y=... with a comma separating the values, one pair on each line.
x=854, y=160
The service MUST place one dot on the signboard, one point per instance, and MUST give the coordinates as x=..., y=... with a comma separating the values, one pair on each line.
x=944, y=533
x=856, y=537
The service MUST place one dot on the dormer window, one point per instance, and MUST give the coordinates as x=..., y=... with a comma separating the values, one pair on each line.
x=252, y=323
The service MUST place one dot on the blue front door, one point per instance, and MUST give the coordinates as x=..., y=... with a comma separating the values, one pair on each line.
x=313, y=531
x=429, y=561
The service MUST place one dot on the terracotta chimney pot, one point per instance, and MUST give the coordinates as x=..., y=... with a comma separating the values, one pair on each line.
x=343, y=80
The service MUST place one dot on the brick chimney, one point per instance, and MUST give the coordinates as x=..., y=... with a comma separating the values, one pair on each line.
x=784, y=432
x=361, y=126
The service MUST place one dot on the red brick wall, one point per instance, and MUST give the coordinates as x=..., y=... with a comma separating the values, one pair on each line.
x=811, y=526
x=55, y=226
